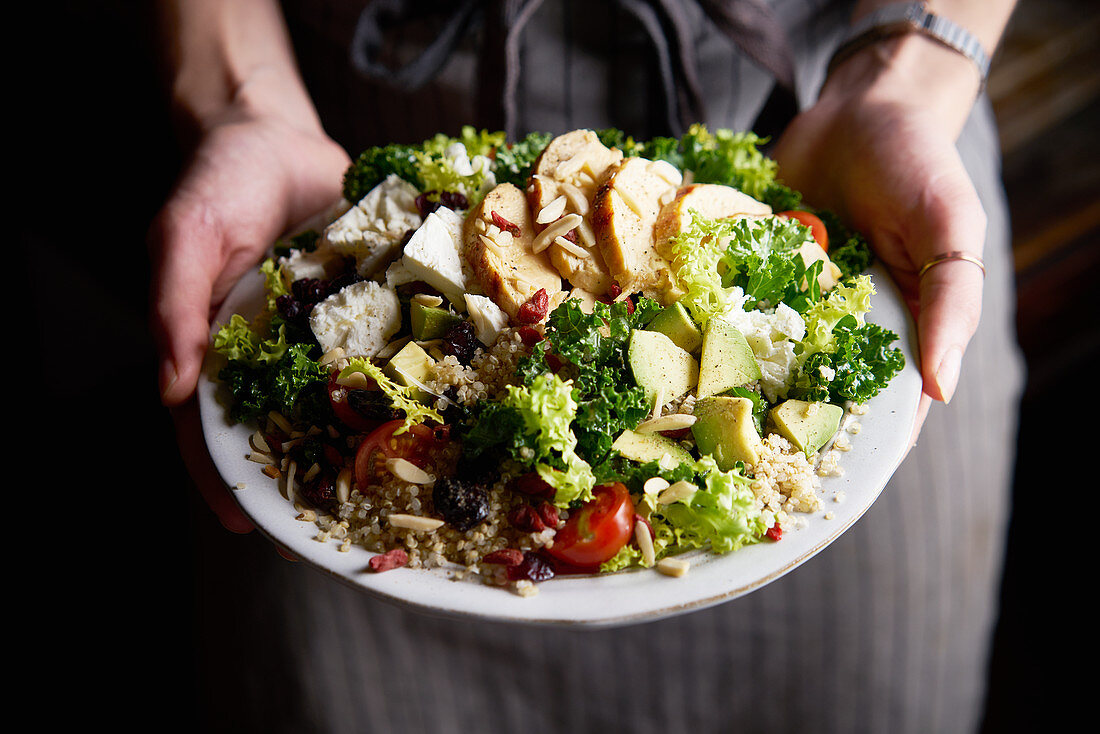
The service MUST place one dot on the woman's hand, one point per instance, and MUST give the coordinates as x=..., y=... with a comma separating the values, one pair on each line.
x=879, y=149
x=252, y=177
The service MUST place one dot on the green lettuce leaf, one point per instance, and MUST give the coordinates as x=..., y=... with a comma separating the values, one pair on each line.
x=547, y=410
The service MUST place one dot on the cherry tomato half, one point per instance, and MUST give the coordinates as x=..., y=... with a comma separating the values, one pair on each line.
x=338, y=399
x=817, y=227
x=595, y=533
x=416, y=445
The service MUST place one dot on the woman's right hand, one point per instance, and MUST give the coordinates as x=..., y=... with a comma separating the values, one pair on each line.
x=251, y=177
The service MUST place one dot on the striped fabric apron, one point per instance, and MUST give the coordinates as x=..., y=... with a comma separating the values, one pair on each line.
x=886, y=631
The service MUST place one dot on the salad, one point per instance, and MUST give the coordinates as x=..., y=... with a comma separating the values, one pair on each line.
x=563, y=354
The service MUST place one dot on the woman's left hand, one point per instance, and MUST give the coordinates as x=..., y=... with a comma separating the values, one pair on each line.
x=878, y=148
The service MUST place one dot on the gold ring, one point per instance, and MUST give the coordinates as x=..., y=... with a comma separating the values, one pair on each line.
x=954, y=255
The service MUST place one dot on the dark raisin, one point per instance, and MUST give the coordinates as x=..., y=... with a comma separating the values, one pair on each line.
x=533, y=567
x=342, y=281
x=289, y=307
x=453, y=200
x=461, y=341
x=372, y=404
x=462, y=505
x=425, y=205
x=320, y=491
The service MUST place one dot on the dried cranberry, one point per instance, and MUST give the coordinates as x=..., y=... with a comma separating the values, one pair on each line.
x=535, y=309
x=571, y=235
x=505, y=224
x=774, y=532
x=526, y=519
x=532, y=484
x=461, y=504
x=548, y=514
x=461, y=341
x=614, y=291
x=533, y=567
x=321, y=490
x=505, y=557
x=530, y=335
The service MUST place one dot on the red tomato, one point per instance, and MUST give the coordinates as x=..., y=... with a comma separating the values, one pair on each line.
x=817, y=227
x=595, y=533
x=338, y=399
x=415, y=445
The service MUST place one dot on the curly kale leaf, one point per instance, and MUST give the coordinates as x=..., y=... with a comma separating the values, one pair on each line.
x=858, y=367
x=512, y=162
x=295, y=386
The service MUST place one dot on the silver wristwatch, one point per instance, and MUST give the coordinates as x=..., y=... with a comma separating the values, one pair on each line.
x=899, y=18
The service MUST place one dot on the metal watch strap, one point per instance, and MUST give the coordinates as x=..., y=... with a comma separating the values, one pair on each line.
x=898, y=18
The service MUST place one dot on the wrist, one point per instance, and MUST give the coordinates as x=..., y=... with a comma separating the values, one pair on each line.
x=911, y=71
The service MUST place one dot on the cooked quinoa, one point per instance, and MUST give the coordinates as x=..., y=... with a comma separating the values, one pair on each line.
x=785, y=482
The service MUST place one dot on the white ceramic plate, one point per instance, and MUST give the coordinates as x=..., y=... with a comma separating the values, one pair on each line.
x=616, y=599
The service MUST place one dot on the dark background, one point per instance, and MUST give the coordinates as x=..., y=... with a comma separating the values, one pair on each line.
x=96, y=157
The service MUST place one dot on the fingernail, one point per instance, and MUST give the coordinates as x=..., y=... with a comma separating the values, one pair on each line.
x=947, y=374
x=168, y=377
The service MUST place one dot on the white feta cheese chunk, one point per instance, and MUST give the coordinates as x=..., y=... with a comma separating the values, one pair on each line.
x=488, y=318
x=322, y=263
x=434, y=255
x=372, y=230
x=360, y=319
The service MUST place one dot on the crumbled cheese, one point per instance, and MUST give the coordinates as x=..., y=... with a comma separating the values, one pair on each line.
x=488, y=318
x=360, y=319
x=372, y=230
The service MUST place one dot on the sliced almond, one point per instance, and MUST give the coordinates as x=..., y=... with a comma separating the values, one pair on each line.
x=415, y=522
x=407, y=471
x=655, y=485
x=332, y=355
x=675, y=567
x=681, y=490
x=630, y=202
x=552, y=211
x=428, y=299
x=671, y=422
x=578, y=202
x=343, y=484
x=644, y=540
x=259, y=443
x=571, y=248
x=557, y=229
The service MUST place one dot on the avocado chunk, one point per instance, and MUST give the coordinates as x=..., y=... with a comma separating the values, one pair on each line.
x=646, y=447
x=809, y=426
x=675, y=322
x=727, y=360
x=429, y=322
x=660, y=367
x=724, y=429
x=410, y=366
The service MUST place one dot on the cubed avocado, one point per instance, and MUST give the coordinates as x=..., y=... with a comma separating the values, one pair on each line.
x=809, y=426
x=661, y=367
x=429, y=322
x=727, y=360
x=646, y=447
x=676, y=323
x=724, y=429
x=410, y=366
